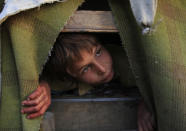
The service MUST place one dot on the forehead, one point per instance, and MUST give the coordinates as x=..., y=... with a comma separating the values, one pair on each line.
x=86, y=57
x=83, y=53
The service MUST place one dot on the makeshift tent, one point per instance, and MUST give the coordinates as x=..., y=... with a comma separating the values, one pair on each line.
x=157, y=58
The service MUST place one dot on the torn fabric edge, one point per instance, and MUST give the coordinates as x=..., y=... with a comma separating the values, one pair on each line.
x=144, y=12
x=51, y=49
x=13, y=7
x=0, y=66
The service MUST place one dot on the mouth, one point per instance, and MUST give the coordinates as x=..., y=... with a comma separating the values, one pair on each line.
x=109, y=77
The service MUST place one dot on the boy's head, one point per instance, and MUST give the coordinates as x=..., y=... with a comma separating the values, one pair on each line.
x=82, y=57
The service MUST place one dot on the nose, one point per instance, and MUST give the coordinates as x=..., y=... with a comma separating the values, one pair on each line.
x=100, y=68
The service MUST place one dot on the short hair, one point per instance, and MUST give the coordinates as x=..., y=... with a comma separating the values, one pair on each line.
x=66, y=51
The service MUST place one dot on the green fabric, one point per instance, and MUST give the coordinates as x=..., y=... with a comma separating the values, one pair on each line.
x=158, y=59
x=26, y=40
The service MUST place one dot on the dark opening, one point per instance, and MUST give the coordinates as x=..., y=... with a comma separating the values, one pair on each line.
x=101, y=5
x=104, y=89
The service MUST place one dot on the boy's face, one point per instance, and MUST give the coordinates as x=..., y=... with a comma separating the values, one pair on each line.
x=95, y=67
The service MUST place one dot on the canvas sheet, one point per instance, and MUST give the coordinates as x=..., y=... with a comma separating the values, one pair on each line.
x=26, y=39
x=158, y=60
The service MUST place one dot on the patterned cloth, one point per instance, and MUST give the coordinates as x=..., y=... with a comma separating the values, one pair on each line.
x=158, y=59
x=26, y=39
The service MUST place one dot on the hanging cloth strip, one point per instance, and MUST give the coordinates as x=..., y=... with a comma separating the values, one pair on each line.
x=158, y=60
x=144, y=12
x=12, y=7
x=26, y=39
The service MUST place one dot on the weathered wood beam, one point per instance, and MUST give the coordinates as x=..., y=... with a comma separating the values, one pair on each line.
x=91, y=21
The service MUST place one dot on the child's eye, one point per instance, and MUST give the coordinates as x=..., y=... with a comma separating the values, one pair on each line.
x=98, y=52
x=85, y=69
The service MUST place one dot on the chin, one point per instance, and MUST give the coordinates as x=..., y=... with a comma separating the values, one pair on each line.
x=110, y=76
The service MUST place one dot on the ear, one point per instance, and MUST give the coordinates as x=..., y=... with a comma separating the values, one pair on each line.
x=71, y=73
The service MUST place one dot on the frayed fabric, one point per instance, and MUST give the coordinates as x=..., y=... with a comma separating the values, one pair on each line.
x=144, y=12
x=12, y=7
x=26, y=39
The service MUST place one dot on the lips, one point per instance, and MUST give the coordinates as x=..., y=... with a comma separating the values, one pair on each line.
x=108, y=77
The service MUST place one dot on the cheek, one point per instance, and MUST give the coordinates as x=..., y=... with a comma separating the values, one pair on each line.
x=90, y=77
x=106, y=60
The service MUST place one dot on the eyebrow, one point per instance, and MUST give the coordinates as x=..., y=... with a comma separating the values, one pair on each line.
x=93, y=51
x=82, y=67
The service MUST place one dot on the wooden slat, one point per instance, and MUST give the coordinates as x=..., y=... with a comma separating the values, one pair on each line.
x=91, y=21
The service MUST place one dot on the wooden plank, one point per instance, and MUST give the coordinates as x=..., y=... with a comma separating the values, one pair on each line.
x=91, y=21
